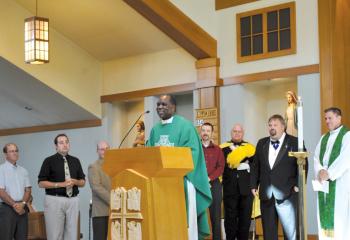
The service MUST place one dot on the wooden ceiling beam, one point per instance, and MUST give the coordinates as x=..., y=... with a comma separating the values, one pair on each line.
x=51, y=127
x=138, y=94
x=179, y=27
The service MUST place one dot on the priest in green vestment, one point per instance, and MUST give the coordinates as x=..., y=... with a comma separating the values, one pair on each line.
x=174, y=130
x=332, y=168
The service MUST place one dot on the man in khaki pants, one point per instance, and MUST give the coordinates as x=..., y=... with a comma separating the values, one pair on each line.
x=100, y=185
x=61, y=175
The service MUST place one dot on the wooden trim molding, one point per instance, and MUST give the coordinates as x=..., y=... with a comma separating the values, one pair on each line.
x=287, y=72
x=208, y=62
x=147, y=92
x=326, y=24
x=52, y=127
x=179, y=27
x=222, y=4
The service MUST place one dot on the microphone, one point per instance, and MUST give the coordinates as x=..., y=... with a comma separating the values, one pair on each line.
x=127, y=134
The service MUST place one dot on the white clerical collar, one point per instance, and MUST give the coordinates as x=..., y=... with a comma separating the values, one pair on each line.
x=336, y=130
x=167, y=121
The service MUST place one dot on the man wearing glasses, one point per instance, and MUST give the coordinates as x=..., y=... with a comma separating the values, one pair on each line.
x=15, y=191
x=100, y=184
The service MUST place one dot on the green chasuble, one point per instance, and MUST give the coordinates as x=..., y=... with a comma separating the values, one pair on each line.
x=182, y=133
x=326, y=202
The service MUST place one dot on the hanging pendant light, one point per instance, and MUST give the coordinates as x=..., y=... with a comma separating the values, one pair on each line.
x=36, y=39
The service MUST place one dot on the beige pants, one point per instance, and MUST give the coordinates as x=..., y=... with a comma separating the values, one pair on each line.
x=61, y=217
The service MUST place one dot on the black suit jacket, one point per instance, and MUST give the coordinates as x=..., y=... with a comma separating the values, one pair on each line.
x=281, y=179
x=231, y=178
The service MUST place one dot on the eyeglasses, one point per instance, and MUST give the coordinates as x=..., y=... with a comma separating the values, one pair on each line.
x=12, y=151
x=103, y=149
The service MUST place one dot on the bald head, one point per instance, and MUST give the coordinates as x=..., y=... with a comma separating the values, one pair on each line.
x=237, y=133
x=102, y=146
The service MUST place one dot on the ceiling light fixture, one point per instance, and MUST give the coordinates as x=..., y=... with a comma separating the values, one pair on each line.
x=36, y=39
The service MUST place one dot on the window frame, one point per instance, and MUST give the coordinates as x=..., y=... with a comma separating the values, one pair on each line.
x=265, y=54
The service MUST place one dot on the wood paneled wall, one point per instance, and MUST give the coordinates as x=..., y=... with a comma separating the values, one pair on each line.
x=334, y=39
x=208, y=83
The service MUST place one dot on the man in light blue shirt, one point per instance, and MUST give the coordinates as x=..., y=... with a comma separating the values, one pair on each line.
x=15, y=191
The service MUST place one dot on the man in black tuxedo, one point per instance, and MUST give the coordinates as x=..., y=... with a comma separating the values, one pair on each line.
x=276, y=175
x=236, y=185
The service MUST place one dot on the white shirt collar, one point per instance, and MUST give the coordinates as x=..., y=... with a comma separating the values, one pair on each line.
x=281, y=138
x=167, y=121
x=335, y=131
x=8, y=163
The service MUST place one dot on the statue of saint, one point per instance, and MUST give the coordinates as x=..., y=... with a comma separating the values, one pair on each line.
x=291, y=114
x=140, y=137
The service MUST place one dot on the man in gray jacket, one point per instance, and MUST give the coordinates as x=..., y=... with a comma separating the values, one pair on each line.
x=100, y=186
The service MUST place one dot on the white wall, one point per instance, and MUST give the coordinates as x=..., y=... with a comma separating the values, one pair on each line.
x=255, y=104
x=164, y=68
x=309, y=90
x=184, y=105
x=201, y=12
x=231, y=109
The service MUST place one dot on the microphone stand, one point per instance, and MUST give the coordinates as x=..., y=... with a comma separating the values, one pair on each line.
x=90, y=216
x=127, y=134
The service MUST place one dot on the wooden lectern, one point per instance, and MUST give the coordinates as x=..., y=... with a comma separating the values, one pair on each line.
x=36, y=226
x=158, y=172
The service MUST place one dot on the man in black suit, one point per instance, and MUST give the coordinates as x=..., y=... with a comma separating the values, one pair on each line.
x=276, y=175
x=236, y=187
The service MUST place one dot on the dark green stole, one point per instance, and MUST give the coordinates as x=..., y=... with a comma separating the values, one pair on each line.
x=326, y=202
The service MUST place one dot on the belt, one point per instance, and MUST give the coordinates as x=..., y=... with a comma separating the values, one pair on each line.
x=60, y=195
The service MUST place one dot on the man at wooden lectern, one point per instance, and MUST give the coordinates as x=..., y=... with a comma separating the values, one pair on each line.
x=176, y=131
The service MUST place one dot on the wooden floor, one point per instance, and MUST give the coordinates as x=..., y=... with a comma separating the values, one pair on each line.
x=259, y=232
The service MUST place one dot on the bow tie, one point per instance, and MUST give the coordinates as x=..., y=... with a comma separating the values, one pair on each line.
x=275, y=144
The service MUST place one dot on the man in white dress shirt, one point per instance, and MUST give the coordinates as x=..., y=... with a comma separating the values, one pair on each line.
x=275, y=173
x=332, y=164
x=15, y=191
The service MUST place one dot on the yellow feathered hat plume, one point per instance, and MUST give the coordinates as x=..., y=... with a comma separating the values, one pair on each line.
x=235, y=157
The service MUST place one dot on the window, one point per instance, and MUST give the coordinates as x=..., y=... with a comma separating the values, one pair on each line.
x=265, y=33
